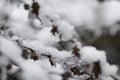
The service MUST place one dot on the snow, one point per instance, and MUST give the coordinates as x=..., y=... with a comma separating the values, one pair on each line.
x=41, y=70
x=19, y=23
x=90, y=54
x=3, y=61
x=14, y=69
x=36, y=23
x=45, y=37
x=65, y=29
x=51, y=69
x=67, y=16
x=32, y=71
x=78, y=12
x=109, y=69
x=111, y=12
x=107, y=78
x=42, y=49
x=90, y=14
x=10, y=49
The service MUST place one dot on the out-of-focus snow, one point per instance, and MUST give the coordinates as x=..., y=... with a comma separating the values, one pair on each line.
x=107, y=78
x=19, y=23
x=32, y=71
x=111, y=12
x=41, y=70
x=90, y=14
x=78, y=12
x=10, y=49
